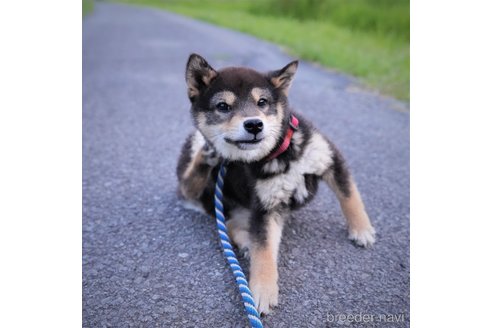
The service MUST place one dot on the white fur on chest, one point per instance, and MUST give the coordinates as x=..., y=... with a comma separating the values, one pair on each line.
x=279, y=189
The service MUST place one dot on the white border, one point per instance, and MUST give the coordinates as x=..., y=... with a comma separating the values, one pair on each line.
x=41, y=164
x=451, y=163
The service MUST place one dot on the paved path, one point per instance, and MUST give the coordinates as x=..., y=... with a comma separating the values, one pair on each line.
x=148, y=262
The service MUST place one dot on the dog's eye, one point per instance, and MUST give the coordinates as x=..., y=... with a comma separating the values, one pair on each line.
x=262, y=102
x=223, y=107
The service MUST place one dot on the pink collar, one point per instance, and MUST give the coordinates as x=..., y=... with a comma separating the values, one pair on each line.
x=293, y=126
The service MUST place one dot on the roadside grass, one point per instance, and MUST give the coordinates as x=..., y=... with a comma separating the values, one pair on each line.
x=87, y=7
x=383, y=17
x=370, y=48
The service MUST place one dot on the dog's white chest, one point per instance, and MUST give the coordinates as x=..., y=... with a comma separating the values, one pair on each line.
x=282, y=187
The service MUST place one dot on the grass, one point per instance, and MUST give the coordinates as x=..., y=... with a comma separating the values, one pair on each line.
x=87, y=7
x=366, y=38
x=383, y=17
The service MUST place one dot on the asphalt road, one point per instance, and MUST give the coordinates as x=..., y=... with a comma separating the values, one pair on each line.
x=149, y=262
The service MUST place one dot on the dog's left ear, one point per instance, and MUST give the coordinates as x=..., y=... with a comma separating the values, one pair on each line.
x=282, y=79
x=199, y=75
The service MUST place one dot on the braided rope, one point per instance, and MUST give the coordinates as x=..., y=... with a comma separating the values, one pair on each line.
x=249, y=303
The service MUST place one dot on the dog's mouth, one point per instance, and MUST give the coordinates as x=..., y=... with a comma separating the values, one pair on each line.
x=243, y=143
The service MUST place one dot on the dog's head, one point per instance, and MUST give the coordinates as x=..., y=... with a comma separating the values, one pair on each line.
x=239, y=111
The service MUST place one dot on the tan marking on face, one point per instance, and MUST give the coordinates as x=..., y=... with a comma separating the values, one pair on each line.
x=226, y=96
x=233, y=127
x=258, y=93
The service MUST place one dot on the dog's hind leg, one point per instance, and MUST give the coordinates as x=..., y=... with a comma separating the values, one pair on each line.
x=340, y=181
x=194, y=167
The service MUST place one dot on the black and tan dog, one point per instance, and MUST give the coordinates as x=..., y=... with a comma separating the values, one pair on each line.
x=276, y=158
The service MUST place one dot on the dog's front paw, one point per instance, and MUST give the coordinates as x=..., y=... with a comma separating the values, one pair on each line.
x=363, y=237
x=265, y=295
x=210, y=156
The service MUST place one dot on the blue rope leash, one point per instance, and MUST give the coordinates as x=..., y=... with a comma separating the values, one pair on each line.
x=249, y=303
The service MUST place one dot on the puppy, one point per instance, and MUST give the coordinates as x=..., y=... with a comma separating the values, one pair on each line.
x=275, y=160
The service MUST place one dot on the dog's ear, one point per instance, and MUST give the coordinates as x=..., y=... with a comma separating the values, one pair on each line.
x=282, y=79
x=199, y=74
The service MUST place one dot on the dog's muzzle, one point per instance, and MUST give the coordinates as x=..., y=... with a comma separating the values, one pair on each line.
x=253, y=126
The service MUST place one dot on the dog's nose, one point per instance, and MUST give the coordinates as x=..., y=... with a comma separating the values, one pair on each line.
x=253, y=126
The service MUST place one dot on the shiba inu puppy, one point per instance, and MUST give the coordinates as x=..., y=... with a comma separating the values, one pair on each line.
x=275, y=160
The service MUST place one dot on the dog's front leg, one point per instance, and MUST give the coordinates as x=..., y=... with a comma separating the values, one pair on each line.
x=197, y=173
x=266, y=233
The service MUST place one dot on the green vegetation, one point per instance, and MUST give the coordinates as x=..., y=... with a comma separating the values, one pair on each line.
x=390, y=18
x=87, y=7
x=365, y=38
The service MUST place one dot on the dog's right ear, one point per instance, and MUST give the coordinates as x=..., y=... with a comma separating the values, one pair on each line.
x=199, y=75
